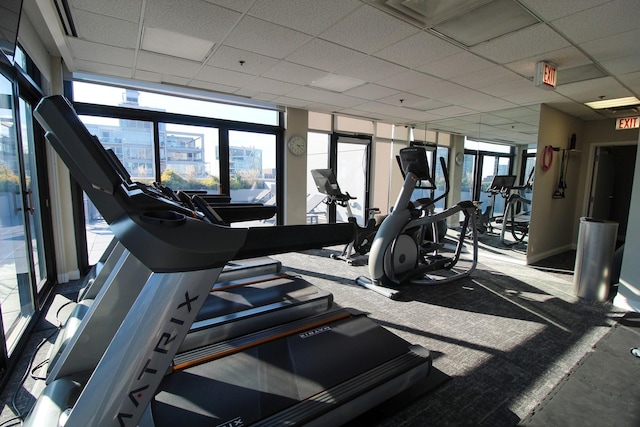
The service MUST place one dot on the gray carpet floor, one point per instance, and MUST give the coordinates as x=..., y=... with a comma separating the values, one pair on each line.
x=506, y=338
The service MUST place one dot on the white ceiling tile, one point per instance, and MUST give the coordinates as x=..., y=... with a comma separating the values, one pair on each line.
x=255, y=35
x=371, y=92
x=439, y=89
x=324, y=55
x=369, y=69
x=105, y=30
x=403, y=99
x=408, y=80
x=591, y=90
x=525, y=43
x=105, y=69
x=534, y=96
x=553, y=9
x=368, y=30
x=293, y=73
x=229, y=58
x=632, y=80
x=199, y=84
x=508, y=87
x=611, y=18
x=477, y=101
x=270, y=86
x=486, y=77
x=317, y=95
x=128, y=10
x=455, y=65
x=237, y=5
x=616, y=46
x=175, y=80
x=417, y=50
x=193, y=18
x=94, y=52
x=224, y=77
x=167, y=65
x=452, y=111
x=291, y=102
x=148, y=76
x=295, y=14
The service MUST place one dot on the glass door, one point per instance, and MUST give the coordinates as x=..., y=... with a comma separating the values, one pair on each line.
x=352, y=167
x=34, y=213
x=16, y=264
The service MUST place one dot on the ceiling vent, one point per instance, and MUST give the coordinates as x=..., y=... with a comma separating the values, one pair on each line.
x=64, y=13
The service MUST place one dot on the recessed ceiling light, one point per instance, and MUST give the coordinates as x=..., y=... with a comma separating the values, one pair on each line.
x=336, y=83
x=175, y=44
x=612, y=103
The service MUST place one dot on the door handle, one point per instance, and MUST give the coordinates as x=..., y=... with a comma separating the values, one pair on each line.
x=30, y=207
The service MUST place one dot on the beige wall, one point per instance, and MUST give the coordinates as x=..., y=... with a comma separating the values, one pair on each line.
x=295, y=177
x=552, y=220
x=555, y=222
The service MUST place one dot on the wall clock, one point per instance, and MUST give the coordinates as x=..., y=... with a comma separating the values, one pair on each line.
x=297, y=145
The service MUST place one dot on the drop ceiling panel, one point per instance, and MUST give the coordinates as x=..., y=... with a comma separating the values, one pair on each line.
x=408, y=80
x=257, y=36
x=199, y=84
x=371, y=92
x=167, y=65
x=456, y=65
x=417, y=50
x=324, y=55
x=505, y=89
x=224, y=77
x=533, y=40
x=194, y=18
x=616, y=46
x=237, y=5
x=105, y=54
x=591, y=90
x=229, y=58
x=611, y=18
x=369, y=69
x=295, y=13
x=368, y=30
x=293, y=73
x=553, y=9
x=340, y=39
x=271, y=86
x=439, y=90
x=128, y=10
x=106, y=69
x=105, y=30
x=486, y=77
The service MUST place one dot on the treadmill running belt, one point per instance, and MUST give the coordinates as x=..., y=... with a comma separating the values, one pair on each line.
x=264, y=380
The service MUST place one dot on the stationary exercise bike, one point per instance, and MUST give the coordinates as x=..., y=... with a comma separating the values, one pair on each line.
x=327, y=184
x=402, y=251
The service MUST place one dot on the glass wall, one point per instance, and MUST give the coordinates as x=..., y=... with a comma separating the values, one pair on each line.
x=184, y=144
x=317, y=158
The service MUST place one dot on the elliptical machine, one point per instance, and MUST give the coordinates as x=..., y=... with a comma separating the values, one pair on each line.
x=327, y=184
x=402, y=251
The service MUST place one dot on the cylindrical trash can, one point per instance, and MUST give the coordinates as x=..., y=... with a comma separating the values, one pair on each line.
x=594, y=257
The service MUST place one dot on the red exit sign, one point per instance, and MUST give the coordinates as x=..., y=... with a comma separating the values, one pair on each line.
x=628, y=123
x=546, y=75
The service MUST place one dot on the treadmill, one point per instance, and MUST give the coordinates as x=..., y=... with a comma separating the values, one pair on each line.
x=319, y=370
